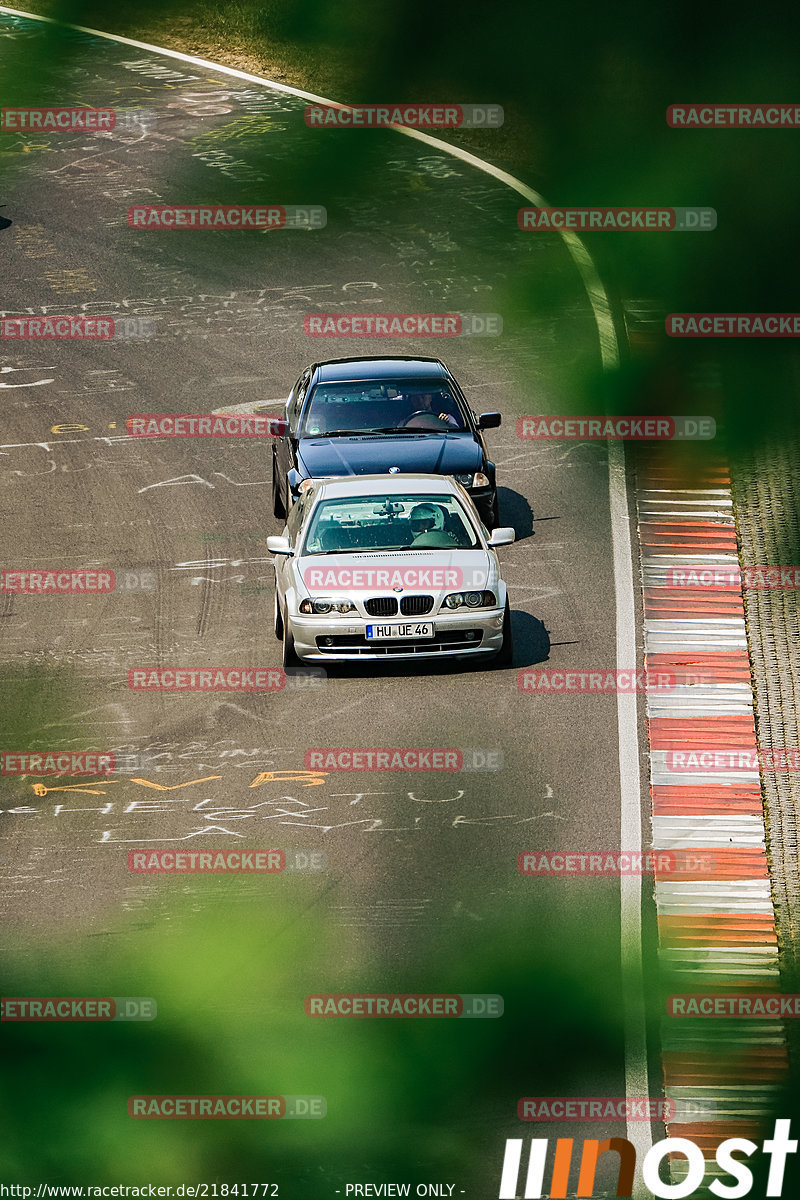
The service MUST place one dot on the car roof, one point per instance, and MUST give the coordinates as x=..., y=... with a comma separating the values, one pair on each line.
x=389, y=485
x=350, y=370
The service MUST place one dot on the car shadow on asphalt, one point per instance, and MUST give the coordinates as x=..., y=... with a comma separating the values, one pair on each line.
x=515, y=510
x=531, y=639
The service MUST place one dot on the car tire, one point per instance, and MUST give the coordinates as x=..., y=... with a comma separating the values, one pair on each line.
x=290, y=658
x=278, y=507
x=494, y=515
x=278, y=618
x=505, y=655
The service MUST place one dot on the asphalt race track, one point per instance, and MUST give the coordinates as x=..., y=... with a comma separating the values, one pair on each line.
x=419, y=868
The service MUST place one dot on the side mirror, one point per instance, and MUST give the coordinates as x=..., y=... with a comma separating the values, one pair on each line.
x=279, y=545
x=503, y=535
x=489, y=420
x=278, y=426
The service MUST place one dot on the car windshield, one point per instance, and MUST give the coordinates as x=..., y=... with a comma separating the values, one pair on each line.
x=398, y=522
x=404, y=405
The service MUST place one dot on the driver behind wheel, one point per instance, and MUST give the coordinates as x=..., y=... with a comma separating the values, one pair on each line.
x=427, y=525
x=439, y=406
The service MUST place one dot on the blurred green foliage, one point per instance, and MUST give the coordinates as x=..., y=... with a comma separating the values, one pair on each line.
x=230, y=988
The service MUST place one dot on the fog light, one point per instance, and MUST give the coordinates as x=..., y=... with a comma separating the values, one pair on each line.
x=326, y=641
x=470, y=635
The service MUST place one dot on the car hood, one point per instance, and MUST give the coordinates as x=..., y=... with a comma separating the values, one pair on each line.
x=369, y=573
x=373, y=454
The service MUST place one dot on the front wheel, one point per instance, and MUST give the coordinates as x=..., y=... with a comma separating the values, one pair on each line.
x=278, y=619
x=290, y=658
x=505, y=655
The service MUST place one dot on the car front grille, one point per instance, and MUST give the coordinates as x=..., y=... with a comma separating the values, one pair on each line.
x=416, y=606
x=381, y=606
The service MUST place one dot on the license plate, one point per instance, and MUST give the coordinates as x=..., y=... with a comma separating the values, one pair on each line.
x=376, y=633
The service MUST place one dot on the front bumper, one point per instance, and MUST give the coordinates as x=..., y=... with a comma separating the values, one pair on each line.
x=458, y=634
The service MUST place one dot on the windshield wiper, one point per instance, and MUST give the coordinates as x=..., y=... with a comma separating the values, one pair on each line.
x=340, y=433
x=406, y=429
x=383, y=429
x=355, y=550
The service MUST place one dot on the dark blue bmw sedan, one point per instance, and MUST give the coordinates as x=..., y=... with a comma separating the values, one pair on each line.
x=367, y=416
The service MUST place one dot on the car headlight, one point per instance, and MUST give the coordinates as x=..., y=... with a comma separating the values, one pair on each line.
x=323, y=607
x=472, y=480
x=470, y=600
